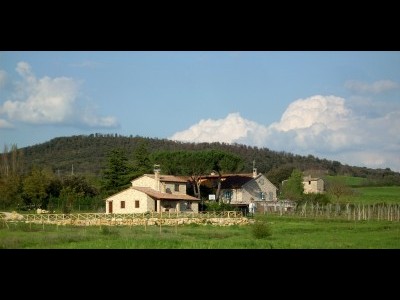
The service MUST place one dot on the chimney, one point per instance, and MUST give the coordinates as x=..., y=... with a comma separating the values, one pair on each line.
x=254, y=169
x=254, y=172
x=157, y=177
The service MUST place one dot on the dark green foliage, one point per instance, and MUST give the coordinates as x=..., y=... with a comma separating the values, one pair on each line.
x=218, y=206
x=293, y=188
x=116, y=176
x=261, y=229
x=279, y=174
x=106, y=230
x=141, y=163
x=314, y=198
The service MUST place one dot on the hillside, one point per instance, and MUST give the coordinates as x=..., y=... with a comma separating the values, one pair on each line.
x=87, y=154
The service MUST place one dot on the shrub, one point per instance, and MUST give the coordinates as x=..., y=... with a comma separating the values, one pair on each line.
x=108, y=231
x=261, y=230
x=219, y=206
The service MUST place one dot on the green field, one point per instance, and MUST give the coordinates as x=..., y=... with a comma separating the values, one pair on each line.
x=286, y=233
x=349, y=180
x=373, y=195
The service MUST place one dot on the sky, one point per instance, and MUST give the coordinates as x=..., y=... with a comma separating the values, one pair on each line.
x=335, y=105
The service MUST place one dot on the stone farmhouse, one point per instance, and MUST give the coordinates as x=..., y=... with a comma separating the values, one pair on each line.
x=241, y=189
x=153, y=192
x=313, y=185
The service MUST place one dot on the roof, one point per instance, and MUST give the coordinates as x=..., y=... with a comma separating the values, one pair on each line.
x=235, y=181
x=210, y=176
x=164, y=196
x=309, y=178
x=169, y=178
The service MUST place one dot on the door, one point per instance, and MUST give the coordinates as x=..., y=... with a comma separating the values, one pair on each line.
x=110, y=207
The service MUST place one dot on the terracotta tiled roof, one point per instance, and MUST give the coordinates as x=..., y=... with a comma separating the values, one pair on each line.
x=163, y=196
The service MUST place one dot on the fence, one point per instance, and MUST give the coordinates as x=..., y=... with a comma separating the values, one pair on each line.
x=356, y=212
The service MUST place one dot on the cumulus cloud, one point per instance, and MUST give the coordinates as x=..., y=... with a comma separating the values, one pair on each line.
x=231, y=129
x=375, y=87
x=48, y=101
x=319, y=125
x=3, y=78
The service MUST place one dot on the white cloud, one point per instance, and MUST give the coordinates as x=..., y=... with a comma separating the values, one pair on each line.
x=3, y=78
x=328, y=111
x=319, y=125
x=49, y=101
x=231, y=129
x=375, y=87
x=5, y=124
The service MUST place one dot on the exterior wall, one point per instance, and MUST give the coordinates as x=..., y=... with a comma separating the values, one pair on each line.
x=253, y=189
x=143, y=181
x=129, y=196
x=171, y=187
x=313, y=186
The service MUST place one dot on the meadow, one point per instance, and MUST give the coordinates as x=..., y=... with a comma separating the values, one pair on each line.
x=276, y=232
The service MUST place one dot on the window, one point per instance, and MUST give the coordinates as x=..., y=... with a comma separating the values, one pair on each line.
x=228, y=194
x=122, y=204
x=176, y=187
x=309, y=182
x=262, y=195
x=136, y=203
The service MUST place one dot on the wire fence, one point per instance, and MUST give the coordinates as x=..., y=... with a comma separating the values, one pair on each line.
x=356, y=212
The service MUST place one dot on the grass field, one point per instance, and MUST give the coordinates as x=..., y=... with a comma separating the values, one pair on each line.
x=374, y=195
x=286, y=233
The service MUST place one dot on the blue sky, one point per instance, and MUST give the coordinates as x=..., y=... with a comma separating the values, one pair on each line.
x=337, y=105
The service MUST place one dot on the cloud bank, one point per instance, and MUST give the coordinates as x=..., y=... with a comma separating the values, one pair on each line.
x=320, y=125
x=49, y=101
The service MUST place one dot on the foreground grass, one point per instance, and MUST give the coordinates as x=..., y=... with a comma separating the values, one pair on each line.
x=286, y=233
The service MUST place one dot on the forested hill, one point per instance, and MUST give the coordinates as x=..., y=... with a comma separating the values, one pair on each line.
x=87, y=154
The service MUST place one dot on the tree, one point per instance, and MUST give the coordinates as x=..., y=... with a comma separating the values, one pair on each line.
x=116, y=176
x=141, y=160
x=278, y=174
x=293, y=187
x=10, y=191
x=338, y=188
x=222, y=162
x=35, y=188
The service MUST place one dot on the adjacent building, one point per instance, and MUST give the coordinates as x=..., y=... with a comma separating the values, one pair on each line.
x=313, y=185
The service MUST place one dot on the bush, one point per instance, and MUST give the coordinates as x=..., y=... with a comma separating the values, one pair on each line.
x=109, y=231
x=218, y=206
x=314, y=198
x=261, y=230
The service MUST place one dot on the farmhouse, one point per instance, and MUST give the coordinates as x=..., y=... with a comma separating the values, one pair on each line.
x=153, y=192
x=313, y=185
x=242, y=189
